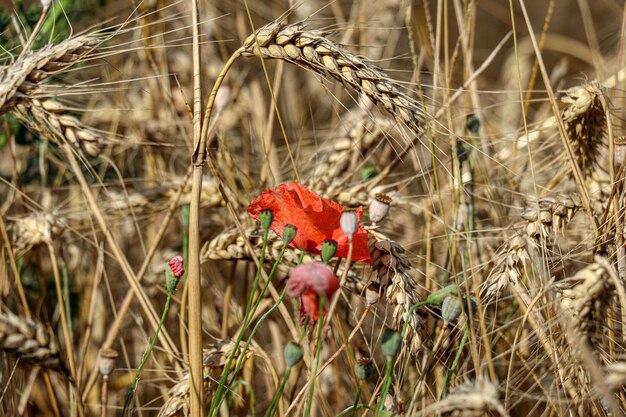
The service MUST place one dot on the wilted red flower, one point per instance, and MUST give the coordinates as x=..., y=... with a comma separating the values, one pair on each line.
x=316, y=219
x=309, y=282
x=176, y=265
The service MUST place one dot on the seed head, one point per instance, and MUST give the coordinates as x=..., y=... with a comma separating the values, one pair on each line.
x=349, y=222
x=289, y=233
x=363, y=368
x=379, y=207
x=391, y=344
x=293, y=354
x=106, y=361
x=372, y=293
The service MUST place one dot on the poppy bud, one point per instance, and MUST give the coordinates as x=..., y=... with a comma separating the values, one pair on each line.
x=176, y=265
x=392, y=341
x=349, y=222
x=470, y=303
x=329, y=248
x=293, y=354
x=289, y=233
x=369, y=172
x=450, y=308
x=106, y=361
x=266, y=216
x=372, y=293
x=363, y=368
x=472, y=123
x=379, y=207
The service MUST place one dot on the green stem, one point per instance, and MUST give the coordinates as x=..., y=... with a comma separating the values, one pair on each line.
x=218, y=397
x=356, y=399
x=257, y=277
x=320, y=329
x=385, y=389
x=455, y=363
x=276, y=399
x=170, y=291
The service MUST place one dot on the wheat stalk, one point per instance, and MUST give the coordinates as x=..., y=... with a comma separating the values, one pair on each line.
x=30, y=341
x=547, y=216
x=335, y=164
x=20, y=78
x=51, y=120
x=473, y=398
x=312, y=50
x=392, y=274
x=33, y=230
x=214, y=358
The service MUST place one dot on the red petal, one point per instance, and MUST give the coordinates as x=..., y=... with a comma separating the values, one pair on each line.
x=310, y=304
x=316, y=219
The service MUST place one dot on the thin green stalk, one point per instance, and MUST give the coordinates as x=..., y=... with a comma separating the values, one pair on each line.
x=257, y=277
x=356, y=399
x=218, y=397
x=385, y=389
x=455, y=363
x=320, y=329
x=252, y=394
x=271, y=410
x=242, y=356
x=172, y=284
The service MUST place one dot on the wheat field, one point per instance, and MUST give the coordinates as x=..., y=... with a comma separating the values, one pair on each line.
x=313, y=208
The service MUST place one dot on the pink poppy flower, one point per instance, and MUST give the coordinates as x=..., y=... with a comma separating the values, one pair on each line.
x=309, y=282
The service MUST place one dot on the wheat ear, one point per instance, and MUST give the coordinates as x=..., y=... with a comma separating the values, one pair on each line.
x=30, y=69
x=30, y=341
x=214, y=358
x=312, y=50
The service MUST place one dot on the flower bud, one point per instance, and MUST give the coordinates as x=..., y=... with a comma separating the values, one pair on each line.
x=106, y=361
x=372, y=293
x=329, y=248
x=391, y=344
x=470, y=302
x=379, y=207
x=363, y=368
x=177, y=266
x=450, y=308
x=472, y=123
x=266, y=216
x=289, y=233
x=369, y=172
x=293, y=354
x=349, y=222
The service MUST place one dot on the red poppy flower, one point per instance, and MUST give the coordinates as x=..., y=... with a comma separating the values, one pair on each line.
x=316, y=219
x=309, y=282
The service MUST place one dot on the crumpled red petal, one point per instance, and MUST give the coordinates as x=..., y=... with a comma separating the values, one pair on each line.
x=316, y=219
x=310, y=304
